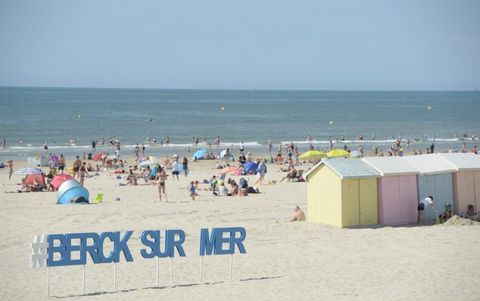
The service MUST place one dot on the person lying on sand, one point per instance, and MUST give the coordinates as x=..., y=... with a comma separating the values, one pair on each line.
x=298, y=216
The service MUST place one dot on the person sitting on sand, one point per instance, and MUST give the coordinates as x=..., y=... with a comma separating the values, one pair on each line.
x=36, y=187
x=222, y=190
x=471, y=213
x=233, y=188
x=131, y=178
x=298, y=216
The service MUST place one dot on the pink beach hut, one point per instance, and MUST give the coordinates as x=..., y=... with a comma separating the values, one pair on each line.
x=466, y=180
x=397, y=190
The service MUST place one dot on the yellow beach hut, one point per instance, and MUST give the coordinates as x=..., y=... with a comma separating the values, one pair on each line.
x=342, y=192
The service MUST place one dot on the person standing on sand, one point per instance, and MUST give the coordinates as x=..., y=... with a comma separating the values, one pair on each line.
x=175, y=170
x=192, y=189
x=160, y=177
x=298, y=216
x=61, y=164
x=185, y=166
x=82, y=171
x=10, y=166
x=76, y=166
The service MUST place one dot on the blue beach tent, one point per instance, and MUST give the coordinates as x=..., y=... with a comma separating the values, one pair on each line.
x=71, y=192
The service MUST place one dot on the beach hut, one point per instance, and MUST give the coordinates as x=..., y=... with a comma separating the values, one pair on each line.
x=396, y=190
x=435, y=179
x=466, y=180
x=342, y=192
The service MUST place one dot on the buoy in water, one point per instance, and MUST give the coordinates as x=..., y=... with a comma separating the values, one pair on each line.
x=330, y=122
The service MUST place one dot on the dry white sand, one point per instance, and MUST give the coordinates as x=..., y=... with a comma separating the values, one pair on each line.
x=284, y=261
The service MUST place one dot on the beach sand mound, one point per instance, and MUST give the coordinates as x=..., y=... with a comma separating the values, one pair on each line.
x=459, y=221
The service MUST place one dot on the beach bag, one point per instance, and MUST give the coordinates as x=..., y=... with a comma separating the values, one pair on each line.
x=243, y=183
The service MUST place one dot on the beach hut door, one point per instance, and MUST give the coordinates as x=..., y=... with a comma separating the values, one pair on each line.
x=366, y=214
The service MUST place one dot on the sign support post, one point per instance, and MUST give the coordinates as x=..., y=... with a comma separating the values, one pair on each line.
x=171, y=271
x=114, y=276
x=48, y=281
x=158, y=272
x=231, y=267
x=83, y=268
x=201, y=269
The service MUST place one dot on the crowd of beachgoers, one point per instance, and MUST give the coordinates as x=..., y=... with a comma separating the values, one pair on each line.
x=140, y=168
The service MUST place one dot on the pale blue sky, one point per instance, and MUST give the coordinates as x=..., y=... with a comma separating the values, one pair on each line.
x=366, y=45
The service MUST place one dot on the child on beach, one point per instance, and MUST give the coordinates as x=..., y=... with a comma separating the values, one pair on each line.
x=192, y=189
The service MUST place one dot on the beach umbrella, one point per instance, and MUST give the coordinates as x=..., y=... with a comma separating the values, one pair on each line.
x=112, y=157
x=147, y=163
x=231, y=170
x=59, y=179
x=334, y=153
x=28, y=171
x=250, y=167
x=153, y=159
x=355, y=154
x=98, y=156
x=312, y=155
x=30, y=179
x=200, y=154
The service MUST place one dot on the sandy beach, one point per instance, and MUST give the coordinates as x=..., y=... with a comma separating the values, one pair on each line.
x=284, y=260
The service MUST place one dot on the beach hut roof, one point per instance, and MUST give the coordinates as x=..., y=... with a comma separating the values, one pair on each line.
x=463, y=161
x=347, y=168
x=430, y=164
x=391, y=166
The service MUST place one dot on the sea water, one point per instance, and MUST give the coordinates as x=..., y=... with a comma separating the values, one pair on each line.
x=68, y=119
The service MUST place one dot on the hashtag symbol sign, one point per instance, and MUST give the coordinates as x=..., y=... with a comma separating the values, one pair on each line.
x=39, y=251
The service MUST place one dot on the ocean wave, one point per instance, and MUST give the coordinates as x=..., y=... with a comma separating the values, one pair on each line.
x=107, y=147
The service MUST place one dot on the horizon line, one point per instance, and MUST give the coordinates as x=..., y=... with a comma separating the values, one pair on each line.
x=233, y=89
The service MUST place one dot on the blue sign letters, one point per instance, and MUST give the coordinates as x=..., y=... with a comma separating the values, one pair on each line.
x=74, y=248
x=215, y=241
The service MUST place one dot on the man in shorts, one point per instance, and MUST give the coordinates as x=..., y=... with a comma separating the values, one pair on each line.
x=76, y=166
